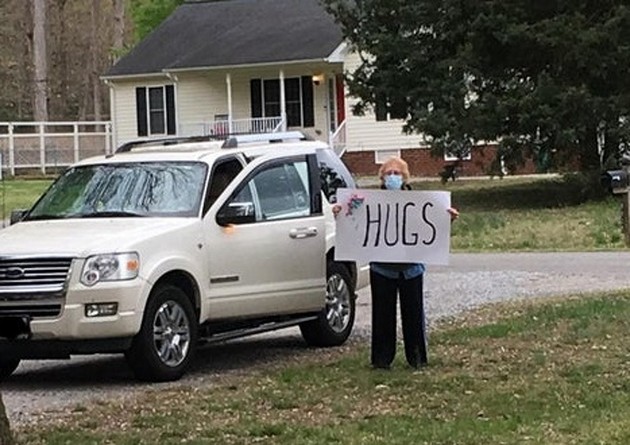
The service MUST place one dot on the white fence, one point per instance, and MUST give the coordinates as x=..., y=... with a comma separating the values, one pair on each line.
x=50, y=145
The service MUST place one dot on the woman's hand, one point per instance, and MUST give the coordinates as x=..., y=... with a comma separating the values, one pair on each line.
x=336, y=209
x=453, y=212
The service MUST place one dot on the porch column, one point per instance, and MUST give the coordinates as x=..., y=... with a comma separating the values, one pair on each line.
x=328, y=108
x=283, y=106
x=228, y=82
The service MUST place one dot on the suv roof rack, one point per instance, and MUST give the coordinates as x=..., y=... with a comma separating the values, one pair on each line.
x=235, y=141
x=128, y=146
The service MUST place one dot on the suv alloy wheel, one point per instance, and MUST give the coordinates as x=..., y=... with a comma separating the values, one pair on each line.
x=336, y=320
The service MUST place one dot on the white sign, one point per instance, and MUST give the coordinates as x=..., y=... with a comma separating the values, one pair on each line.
x=393, y=226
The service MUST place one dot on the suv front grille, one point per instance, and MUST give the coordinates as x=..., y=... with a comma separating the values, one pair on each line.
x=33, y=286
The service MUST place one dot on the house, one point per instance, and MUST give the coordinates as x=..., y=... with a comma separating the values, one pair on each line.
x=239, y=66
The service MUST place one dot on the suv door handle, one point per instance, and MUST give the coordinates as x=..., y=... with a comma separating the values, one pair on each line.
x=303, y=232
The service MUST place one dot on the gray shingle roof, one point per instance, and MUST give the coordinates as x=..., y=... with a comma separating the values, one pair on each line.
x=234, y=32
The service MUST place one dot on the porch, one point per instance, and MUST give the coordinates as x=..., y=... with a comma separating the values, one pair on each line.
x=309, y=98
x=226, y=126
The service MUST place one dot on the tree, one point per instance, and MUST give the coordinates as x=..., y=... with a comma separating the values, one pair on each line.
x=77, y=54
x=94, y=59
x=547, y=80
x=40, y=109
x=148, y=14
x=6, y=438
x=118, y=40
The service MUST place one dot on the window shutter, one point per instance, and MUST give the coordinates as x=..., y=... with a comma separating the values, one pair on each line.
x=380, y=108
x=256, y=98
x=308, y=112
x=170, y=110
x=398, y=108
x=141, y=111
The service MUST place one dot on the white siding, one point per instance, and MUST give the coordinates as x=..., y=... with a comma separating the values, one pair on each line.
x=124, y=116
x=365, y=132
x=123, y=112
x=200, y=96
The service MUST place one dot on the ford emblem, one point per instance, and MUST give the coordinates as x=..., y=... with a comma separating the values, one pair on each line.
x=14, y=273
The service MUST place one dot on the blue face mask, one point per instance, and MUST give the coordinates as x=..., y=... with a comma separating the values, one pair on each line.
x=393, y=182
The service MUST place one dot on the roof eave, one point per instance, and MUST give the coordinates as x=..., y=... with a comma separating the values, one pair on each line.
x=133, y=76
x=244, y=65
x=336, y=56
x=339, y=54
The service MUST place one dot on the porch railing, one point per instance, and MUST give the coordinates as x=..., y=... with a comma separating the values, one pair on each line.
x=338, y=139
x=47, y=145
x=235, y=126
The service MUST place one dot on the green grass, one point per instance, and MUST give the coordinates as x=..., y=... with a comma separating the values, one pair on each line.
x=20, y=194
x=523, y=214
x=546, y=373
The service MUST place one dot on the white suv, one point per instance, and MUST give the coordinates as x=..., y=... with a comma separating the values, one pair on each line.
x=171, y=241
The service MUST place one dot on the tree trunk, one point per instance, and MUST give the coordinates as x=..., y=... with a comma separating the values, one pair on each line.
x=119, y=30
x=40, y=111
x=95, y=53
x=6, y=438
x=589, y=153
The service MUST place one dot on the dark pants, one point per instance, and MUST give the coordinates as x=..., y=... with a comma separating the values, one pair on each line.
x=385, y=293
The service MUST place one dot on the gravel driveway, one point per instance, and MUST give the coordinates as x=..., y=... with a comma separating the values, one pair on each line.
x=39, y=388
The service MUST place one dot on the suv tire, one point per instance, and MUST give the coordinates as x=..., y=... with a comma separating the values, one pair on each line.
x=335, y=321
x=167, y=340
x=7, y=366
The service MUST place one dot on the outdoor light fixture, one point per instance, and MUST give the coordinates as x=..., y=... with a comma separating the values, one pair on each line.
x=318, y=78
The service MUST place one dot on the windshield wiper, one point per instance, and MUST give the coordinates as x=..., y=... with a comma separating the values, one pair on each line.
x=111, y=214
x=43, y=217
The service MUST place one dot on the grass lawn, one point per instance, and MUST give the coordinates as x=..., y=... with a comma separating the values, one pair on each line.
x=523, y=214
x=543, y=373
x=20, y=194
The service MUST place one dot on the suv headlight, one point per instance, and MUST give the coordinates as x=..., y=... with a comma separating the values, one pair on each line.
x=110, y=267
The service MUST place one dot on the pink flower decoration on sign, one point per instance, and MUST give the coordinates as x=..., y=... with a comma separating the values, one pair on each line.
x=354, y=203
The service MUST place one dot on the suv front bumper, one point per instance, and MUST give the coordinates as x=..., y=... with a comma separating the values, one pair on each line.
x=72, y=324
x=58, y=349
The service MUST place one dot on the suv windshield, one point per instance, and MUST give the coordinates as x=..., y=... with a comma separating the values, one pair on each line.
x=126, y=189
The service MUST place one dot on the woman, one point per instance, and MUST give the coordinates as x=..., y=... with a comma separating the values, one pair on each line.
x=388, y=281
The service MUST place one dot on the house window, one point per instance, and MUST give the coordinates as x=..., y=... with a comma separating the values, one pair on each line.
x=271, y=98
x=380, y=156
x=155, y=110
x=466, y=155
x=298, y=95
x=384, y=110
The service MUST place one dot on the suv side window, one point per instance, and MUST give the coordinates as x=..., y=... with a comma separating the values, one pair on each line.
x=282, y=193
x=333, y=174
x=222, y=174
x=279, y=191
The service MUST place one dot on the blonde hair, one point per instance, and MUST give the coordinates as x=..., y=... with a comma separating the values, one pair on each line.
x=398, y=164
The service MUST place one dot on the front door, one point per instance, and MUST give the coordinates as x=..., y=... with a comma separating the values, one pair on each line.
x=265, y=241
x=336, y=102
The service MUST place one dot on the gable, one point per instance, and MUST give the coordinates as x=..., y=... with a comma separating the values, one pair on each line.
x=212, y=34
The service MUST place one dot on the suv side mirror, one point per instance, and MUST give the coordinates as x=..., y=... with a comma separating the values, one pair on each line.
x=17, y=216
x=236, y=213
